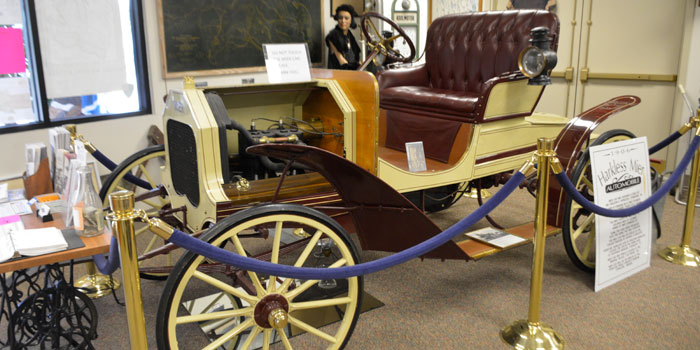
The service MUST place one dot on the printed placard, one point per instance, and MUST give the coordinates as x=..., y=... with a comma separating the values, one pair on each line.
x=287, y=63
x=621, y=179
x=416, y=156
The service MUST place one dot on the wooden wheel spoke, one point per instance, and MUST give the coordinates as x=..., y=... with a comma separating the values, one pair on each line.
x=225, y=287
x=253, y=276
x=251, y=337
x=272, y=280
x=587, y=182
x=285, y=341
x=266, y=339
x=590, y=242
x=311, y=330
x=319, y=303
x=308, y=284
x=145, y=173
x=583, y=227
x=218, y=315
x=230, y=334
x=302, y=259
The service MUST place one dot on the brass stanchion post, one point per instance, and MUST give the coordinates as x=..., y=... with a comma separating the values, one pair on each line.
x=93, y=284
x=122, y=221
x=684, y=254
x=531, y=333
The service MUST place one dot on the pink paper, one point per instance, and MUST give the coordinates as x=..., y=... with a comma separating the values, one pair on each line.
x=12, y=48
x=9, y=219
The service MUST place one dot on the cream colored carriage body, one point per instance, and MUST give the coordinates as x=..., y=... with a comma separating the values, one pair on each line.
x=343, y=102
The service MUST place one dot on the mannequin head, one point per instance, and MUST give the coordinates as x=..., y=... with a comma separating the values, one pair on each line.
x=345, y=15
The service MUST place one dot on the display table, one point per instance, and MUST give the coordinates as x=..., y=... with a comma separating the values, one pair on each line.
x=38, y=305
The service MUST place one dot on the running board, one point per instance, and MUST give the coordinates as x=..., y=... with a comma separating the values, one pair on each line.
x=477, y=250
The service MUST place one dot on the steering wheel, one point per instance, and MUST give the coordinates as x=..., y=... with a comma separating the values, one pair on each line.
x=379, y=44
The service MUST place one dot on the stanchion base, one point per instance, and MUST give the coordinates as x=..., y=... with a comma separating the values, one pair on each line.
x=524, y=335
x=474, y=194
x=681, y=255
x=96, y=285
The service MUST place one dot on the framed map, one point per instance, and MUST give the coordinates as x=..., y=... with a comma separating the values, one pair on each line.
x=210, y=37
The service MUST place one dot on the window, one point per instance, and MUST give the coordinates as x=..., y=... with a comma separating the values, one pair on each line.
x=71, y=61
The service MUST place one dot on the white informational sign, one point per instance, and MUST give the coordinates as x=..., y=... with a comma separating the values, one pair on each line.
x=621, y=179
x=287, y=63
x=415, y=156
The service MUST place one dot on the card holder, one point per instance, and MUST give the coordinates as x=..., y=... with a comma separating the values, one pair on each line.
x=40, y=182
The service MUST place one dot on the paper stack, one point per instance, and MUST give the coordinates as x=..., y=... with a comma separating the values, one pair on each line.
x=38, y=241
x=34, y=154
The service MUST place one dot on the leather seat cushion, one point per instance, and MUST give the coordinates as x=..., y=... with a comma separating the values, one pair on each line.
x=433, y=101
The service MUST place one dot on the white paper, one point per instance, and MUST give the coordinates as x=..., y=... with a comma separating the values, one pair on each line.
x=81, y=46
x=495, y=237
x=287, y=63
x=39, y=241
x=15, y=101
x=416, y=157
x=621, y=179
x=10, y=12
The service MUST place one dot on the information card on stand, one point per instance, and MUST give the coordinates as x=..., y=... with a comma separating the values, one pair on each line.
x=621, y=179
x=287, y=63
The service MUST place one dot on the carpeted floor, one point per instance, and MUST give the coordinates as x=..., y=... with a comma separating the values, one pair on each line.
x=457, y=305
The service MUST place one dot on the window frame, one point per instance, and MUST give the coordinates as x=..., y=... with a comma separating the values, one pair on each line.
x=40, y=103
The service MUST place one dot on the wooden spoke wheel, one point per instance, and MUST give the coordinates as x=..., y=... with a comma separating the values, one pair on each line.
x=146, y=166
x=381, y=45
x=579, y=224
x=274, y=310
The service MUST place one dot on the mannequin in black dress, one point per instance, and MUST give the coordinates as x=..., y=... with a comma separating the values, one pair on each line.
x=343, y=51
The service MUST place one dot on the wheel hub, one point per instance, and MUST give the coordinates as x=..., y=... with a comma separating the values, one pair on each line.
x=272, y=312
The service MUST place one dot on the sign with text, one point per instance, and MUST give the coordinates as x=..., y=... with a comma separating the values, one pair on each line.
x=621, y=179
x=287, y=63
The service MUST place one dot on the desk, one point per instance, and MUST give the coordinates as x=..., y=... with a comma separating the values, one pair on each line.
x=48, y=312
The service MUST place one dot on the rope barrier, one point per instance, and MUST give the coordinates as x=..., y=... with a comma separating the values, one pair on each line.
x=108, y=265
x=665, y=142
x=570, y=189
x=308, y=273
x=111, y=166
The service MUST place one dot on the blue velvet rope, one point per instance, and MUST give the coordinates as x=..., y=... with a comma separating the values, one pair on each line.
x=108, y=265
x=111, y=166
x=104, y=160
x=667, y=141
x=570, y=189
x=311, y=273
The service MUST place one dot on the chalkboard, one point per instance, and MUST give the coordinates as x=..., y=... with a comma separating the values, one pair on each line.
x=209, y=37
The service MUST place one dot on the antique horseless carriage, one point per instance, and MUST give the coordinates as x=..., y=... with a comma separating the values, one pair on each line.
x=328, y=158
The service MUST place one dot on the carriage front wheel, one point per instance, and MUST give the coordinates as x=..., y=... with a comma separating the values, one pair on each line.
x=285, y=234
x=578, y=229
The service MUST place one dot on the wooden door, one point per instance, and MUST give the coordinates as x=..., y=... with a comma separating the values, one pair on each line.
x=611, y=48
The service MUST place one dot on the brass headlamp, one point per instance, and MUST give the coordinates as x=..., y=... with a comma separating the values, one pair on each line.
x=538, y=60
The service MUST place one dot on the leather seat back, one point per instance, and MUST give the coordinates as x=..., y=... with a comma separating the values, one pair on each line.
x=465, y=50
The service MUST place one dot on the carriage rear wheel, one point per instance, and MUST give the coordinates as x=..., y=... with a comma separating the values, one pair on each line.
x=284, y=234
x=579, y=224
x=144, y=165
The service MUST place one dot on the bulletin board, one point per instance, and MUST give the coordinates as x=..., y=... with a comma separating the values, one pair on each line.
x=211, y=37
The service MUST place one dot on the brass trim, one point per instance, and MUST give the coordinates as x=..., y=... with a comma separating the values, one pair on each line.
x=630, y=76
x=589, y=23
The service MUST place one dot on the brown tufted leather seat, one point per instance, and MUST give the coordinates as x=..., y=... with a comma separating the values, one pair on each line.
x=466, y=57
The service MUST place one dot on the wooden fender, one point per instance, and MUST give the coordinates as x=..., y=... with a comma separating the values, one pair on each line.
x=384, y=219
x=570, y=142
